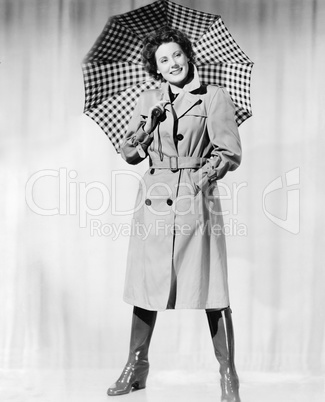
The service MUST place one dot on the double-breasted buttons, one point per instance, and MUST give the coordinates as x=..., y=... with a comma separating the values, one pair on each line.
x=179, y=137
x=147, y=201
x=169, y=202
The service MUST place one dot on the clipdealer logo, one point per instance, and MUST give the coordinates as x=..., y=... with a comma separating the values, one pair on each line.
x=291, y=223
x=73, y=198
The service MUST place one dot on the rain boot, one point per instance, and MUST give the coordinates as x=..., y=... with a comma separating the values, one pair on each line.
x=135, y=372
x=222, y=334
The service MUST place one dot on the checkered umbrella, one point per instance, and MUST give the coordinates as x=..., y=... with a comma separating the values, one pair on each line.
x=114, y=76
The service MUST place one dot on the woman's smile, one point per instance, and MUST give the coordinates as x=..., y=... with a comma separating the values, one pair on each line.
x=177, y=71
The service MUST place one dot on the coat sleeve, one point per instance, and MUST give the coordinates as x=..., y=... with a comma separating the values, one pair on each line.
x=224, y=136
x=136, y=142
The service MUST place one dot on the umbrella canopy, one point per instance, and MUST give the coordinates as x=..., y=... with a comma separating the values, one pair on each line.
x=113, y=72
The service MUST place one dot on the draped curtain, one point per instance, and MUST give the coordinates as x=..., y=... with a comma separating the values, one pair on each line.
x=66, y=197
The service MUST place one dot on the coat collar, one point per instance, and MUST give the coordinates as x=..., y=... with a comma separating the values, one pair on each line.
x=185, y=98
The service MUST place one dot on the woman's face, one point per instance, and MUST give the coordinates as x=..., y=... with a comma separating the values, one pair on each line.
x=172, y=63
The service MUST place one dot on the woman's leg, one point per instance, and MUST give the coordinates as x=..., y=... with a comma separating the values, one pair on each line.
x=222, y=333
x=136, y=370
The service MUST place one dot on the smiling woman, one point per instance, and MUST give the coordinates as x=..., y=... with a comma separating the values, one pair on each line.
x=193, y=143
x=172, y=64
x=169, y=37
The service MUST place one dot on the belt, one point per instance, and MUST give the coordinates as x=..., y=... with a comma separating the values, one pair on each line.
x=175, y=163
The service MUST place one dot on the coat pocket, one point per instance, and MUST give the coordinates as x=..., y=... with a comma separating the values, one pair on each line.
x=199, y=181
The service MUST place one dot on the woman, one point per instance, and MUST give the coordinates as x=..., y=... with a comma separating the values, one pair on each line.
x=189, y=133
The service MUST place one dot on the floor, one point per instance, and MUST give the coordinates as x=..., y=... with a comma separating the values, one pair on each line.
x=171, y=386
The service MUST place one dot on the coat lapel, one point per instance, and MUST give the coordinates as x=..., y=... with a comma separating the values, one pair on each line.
x=184, y=102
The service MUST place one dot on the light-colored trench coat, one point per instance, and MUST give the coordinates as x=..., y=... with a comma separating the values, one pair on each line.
x=177, y=251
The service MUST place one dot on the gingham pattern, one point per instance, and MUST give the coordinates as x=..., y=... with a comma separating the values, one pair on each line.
x=105, y=81
x=218, y=46
x=116, y=43
x=221, y=61
x=145, y=19
x=108, y=113
x=194, y=23
x=114, y=77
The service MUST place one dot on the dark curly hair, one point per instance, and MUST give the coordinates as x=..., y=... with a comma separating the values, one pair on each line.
x=156, y=38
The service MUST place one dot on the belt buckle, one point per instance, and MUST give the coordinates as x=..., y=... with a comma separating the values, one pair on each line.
x=173, y=166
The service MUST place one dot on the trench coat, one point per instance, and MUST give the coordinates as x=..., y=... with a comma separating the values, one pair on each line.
x=177, y=255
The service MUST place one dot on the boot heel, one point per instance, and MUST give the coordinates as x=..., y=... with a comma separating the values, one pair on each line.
x=139, y=384
x=141, y=380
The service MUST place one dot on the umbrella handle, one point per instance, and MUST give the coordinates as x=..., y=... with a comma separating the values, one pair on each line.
x=156, y=112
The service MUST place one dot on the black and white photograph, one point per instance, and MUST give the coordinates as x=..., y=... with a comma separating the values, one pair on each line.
x=161, y=175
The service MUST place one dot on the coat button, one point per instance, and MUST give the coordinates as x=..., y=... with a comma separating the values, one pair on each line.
x=179, y=137
x=152, y=171
x=147, y=201
x=169, y=202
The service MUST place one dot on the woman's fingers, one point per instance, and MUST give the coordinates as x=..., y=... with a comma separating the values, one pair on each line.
x=160, y=106
x=154, y=113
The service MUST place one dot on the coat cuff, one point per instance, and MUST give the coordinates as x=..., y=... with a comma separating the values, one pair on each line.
x=141, y=141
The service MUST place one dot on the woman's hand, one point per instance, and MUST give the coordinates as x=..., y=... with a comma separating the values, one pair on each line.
x=153, y=116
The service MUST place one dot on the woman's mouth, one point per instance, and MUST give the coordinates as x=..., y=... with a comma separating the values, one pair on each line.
x=177, y=71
